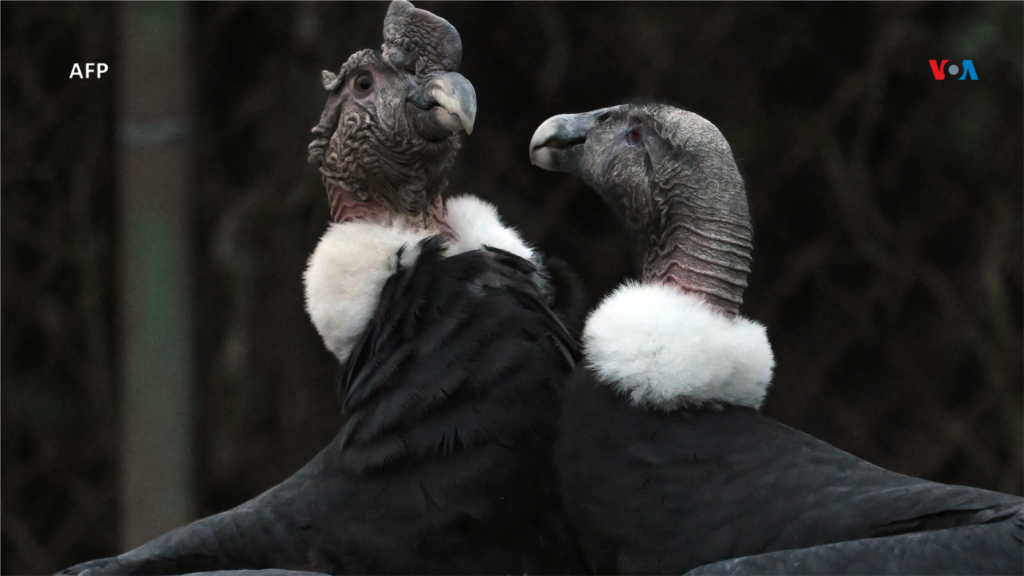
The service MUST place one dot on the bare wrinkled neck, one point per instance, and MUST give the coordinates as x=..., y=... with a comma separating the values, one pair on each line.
x=346, y=207
x=703, y=254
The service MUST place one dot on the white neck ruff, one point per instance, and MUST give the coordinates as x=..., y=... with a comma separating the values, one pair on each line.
x=348, y=268
x=665, y=348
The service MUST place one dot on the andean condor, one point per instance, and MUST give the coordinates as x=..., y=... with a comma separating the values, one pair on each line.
x=663, y=459
x=453, y=356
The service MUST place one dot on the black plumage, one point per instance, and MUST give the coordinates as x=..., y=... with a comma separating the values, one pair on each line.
x=654, y=492
x=969, y=550
x=443, y=463
x=665, y=465
x=451, y=405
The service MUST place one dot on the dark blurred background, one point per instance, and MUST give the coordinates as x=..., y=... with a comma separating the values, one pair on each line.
x=887, y=209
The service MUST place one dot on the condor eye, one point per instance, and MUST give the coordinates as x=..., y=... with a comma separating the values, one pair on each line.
x=636, y=133
x=363, y=83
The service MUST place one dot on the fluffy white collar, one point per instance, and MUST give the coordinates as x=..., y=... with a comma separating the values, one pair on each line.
x=346, y=272
x=665, y=348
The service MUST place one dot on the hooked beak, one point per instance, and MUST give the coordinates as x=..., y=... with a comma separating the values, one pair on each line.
x=557, y=144
x=446, y=105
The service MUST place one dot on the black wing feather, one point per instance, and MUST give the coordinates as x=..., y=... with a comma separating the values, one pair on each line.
x=443, y=464
x=664, y=492
x=986, y=548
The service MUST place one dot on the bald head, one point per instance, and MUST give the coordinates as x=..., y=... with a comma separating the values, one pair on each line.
x=390, y=129
x=671, y=177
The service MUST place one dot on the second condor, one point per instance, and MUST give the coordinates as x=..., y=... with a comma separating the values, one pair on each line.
x=664, y=460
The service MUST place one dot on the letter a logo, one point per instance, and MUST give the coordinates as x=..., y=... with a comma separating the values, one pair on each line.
x=969, y=69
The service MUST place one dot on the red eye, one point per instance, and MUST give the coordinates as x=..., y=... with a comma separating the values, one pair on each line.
x=636, y=133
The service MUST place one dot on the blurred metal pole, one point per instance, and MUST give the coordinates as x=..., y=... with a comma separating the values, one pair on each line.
x=155, y=303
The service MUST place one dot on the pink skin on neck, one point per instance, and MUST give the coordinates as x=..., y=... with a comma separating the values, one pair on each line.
x=690, y=284
x=346, y=208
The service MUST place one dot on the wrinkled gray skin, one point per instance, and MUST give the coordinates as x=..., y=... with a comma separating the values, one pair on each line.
x=389, y=131
x=420, y=40
x=671, y=175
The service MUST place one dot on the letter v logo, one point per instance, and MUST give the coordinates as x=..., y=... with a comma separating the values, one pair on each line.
x=938, y=70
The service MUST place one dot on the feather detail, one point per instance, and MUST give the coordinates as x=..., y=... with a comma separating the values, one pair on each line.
x=665, y=348
x=345, y=274
x=347, y=270
x=476, y=224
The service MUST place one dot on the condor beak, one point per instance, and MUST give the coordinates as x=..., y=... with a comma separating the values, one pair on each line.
x=557, y=144
x=456, y=95
x=446, y=105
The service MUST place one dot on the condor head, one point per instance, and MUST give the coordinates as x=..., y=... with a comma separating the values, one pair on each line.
x=390, y=130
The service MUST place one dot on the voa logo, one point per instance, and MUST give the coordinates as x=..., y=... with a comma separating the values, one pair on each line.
x=939, y=70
